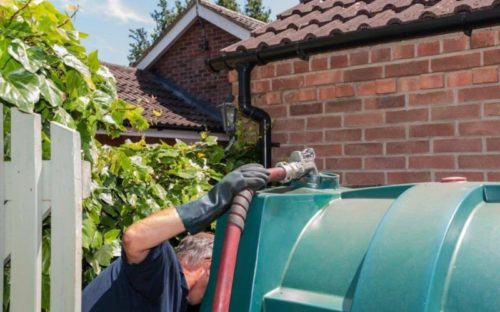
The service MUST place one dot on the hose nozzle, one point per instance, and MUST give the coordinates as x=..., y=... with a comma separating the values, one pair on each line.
x=299, y=164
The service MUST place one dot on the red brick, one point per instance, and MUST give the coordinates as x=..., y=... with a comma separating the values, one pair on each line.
x=457, y=145
x=288, y=124
x=431, y=98
x=384, y=102
x=363, y=119
x=386, y=86
x=470, y=176
x=408, y=177
x=491, y=57
x=327, y=93
x=277, y=111
x=375, y=163
x=282, y=153
x=272, y=98
x=432, y=81
x=323, y=78
x=301, y=95
x=367, y=88
x=343, y=135
x=486, y=127
x=364, y=178
x=479, y=93
x=232, y=76
x=380, y=55
x=485, y=75
x=327, y=150
x=409, y=84
x=338, y=61
x=455, y=62
x=459, y=79
x=493, y=176
x=281, y=137
x=432, y=130
x=493, y=144
x=479, y=161
x=319, y=63
x=454, y=44
x=363, y=148
x=306, y=137
x=287, y=83
x=411, y=115
x=492, y=109
x=306, y=109
x=284, y=69
x=359, y=58
x=343, y=163
x=342, y=106
x=428, y=48
x=407, y=69
x=267, y=71
x=403, y=52
x=324, y=122
x=408, y=147
x=482, y=39
x=300, y=67
x=261, y=86
x=432, y=162
x=374, y=134
x=344, y=90
x=362, y=74
x=456, y=112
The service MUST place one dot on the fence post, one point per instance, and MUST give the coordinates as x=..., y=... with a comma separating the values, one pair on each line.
x=26, y=261
x=2, y=209
x=66, y=219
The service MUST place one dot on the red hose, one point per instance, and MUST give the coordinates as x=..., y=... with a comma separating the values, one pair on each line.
x=235, y=225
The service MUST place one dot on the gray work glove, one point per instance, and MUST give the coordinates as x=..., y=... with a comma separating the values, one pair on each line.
x=198, y=214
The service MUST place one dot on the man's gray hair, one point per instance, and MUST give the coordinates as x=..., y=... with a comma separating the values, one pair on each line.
x=193, y=249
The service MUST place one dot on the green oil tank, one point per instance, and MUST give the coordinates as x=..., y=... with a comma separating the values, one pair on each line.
x=403, y=248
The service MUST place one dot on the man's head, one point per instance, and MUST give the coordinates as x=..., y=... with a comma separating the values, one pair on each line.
x=195, y=255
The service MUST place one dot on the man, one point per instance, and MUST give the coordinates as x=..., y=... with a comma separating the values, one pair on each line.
x=149, y=276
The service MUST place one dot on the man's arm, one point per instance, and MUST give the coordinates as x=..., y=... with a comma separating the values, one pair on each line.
x=194, y=217
x=147, y=233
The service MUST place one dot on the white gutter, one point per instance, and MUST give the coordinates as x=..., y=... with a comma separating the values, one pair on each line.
x=171, y=134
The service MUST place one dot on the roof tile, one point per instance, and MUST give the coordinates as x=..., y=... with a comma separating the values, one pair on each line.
x=141, y=88
x=323, y=18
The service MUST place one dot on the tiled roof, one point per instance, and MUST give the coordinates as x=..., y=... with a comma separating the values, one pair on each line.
x=240, y=19
x=142, y=88
x=313, y=19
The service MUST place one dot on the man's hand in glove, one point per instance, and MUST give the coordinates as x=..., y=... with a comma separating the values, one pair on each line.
x=197, y=215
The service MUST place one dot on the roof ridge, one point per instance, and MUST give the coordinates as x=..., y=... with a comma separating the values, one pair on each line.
x=208, y=3
x=130, y=68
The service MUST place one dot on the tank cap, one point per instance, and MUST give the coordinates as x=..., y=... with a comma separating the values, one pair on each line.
x=453, y=179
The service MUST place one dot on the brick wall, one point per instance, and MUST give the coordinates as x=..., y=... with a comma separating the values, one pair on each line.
x=184, y=63
x=409, y=111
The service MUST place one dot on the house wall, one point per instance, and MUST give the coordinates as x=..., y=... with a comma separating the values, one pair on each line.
x=408, y=111
x=184, y=63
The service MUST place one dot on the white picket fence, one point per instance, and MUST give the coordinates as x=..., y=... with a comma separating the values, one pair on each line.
x=31, y=190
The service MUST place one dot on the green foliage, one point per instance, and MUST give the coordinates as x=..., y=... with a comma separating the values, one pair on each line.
x=139, y=44
x=255, y=9
x=134, y=180
x=229, y=4
x=163, y=16
x=44, y=69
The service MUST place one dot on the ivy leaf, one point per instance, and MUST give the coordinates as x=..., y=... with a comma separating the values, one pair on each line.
x=104, y=255
x=111, y=235
x=19, y=51
x=73, y=62
x=20, y=88
x=51, y=92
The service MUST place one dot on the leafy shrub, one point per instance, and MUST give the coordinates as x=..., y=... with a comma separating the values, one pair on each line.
x=44, y=69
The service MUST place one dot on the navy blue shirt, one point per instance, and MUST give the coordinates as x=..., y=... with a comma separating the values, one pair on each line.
x=156, y=284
